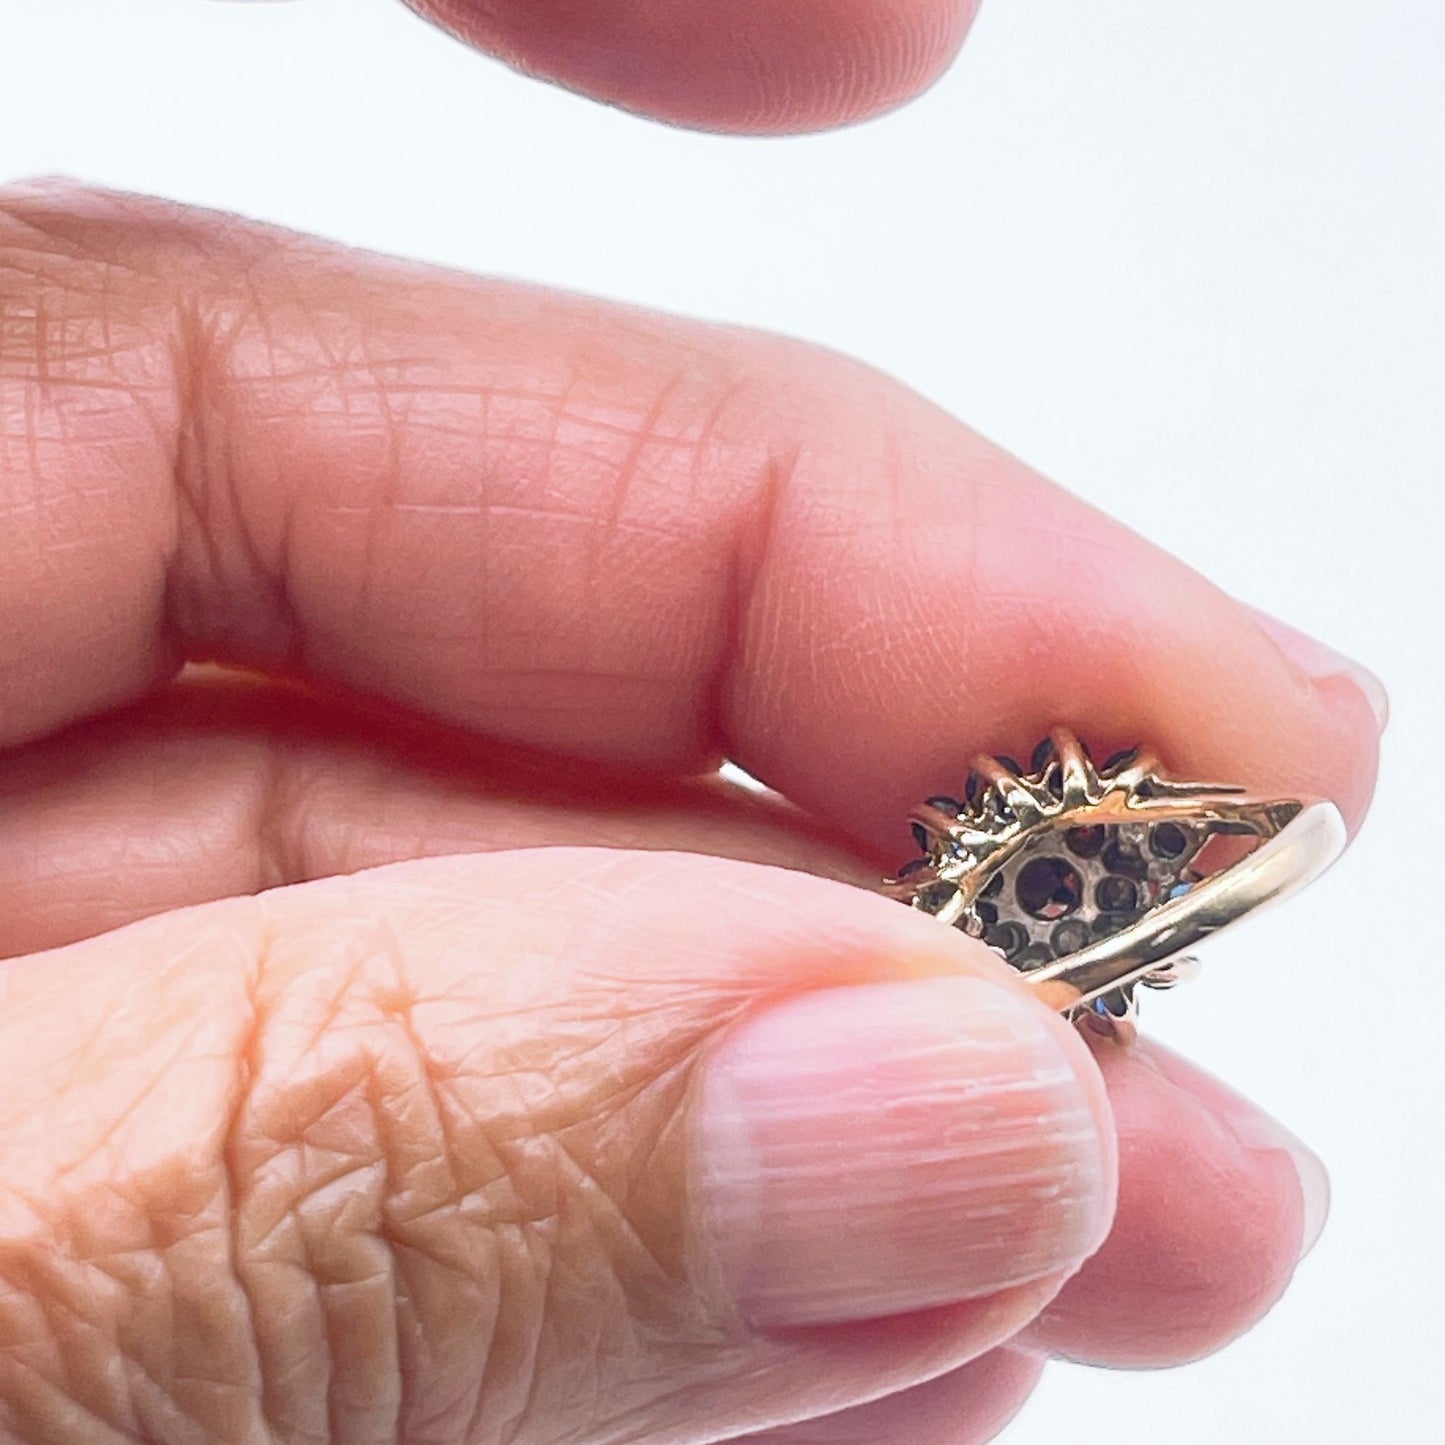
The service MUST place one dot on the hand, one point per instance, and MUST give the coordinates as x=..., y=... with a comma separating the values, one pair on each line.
x=573, y=1143
x=584, y=1142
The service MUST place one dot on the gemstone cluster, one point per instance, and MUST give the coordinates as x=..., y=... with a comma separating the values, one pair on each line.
x=1039, y=863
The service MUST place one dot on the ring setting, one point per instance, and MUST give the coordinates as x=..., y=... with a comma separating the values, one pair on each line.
x=1094, y=880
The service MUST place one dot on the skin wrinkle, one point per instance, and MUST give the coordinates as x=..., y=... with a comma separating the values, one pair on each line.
x=546, y=1168
x=42, y=359
x=167, y=1233
x=746, y=554
x=245, y=1070
x=221, y=572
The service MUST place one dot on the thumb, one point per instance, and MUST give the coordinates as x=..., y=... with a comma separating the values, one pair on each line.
x=552, y=1145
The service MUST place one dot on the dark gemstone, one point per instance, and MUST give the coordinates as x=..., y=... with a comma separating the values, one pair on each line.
x=972, y=787
x=1120, y=857
x=1282, y=813
x=1042, y=754
x=1048, y=887
x=993, y=887
x=1107, y=924
x=1168, y=840
x=1054, y=781
x=986, y=912
x=1005, y=761
x=914, y=865
x=920, y=834
x=945, y=804
x=932, y=896
x=1070, y=936
x=1116, y=895
x=1034, y=956
x=1086, y=842
x=1114, y=1004
x=1124, y=758
x=1008, y=938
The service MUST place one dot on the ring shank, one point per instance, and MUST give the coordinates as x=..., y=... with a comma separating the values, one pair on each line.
x=1288, y=860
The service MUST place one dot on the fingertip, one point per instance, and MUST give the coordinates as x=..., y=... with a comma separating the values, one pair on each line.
x=1217, y=1204
x=966, y=1406
x=742, y=66
x=1260, y=1134
x=1347, y=693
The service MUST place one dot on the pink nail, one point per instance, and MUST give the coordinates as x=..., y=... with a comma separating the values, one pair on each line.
x=873, y=1150
x=1316, y=660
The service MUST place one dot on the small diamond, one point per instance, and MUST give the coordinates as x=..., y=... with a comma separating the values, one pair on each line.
x=1119, y=857
x=1116, y=895
x=1008, y=938
x=1069, y=936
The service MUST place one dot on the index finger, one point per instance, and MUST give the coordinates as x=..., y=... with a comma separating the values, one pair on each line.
x=731, y=65
x=576, y=527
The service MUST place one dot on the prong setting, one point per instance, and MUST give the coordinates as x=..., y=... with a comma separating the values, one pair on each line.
x=1080, y=876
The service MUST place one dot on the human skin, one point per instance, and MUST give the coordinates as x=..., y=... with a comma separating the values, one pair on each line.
x=405, y=1036
x=745, y=65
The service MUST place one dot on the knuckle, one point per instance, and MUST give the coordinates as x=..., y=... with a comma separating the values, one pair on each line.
x=436, y=1196
x=333, y=1178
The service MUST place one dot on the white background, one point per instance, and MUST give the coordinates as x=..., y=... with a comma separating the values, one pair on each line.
x=1187, y=258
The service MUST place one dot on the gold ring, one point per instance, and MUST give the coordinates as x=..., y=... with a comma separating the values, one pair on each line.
x=1093, y=880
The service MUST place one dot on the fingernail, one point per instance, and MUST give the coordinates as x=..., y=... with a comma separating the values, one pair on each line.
x=1258, y=1131
x=1316, y=660
x=868, y=1151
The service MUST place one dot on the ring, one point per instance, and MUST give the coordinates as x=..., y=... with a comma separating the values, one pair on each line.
x=1093, y=880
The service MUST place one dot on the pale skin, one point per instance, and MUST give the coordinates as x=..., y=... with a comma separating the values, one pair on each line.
x=372, y=1003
